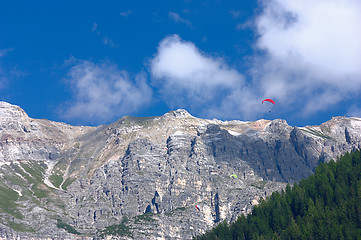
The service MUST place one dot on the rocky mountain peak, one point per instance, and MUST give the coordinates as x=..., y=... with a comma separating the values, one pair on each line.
x=11, y=112
x=12, y=117
x=179, y=113
x=278, y=126
x=141, y=177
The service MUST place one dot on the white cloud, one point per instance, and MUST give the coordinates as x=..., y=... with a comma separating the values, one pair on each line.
x=249, y=24
x=308, y=60
x=186, y=77
x=178, y=19
x=241, y=103
x=312, y=51
x=102, y=92
x=354, y=111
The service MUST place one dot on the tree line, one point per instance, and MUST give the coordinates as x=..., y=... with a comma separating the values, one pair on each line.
x=326, y=205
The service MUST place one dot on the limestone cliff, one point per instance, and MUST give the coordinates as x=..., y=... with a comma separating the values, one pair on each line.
x=140, y=178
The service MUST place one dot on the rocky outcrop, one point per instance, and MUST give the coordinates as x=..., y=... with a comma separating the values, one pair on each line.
x=140, y=178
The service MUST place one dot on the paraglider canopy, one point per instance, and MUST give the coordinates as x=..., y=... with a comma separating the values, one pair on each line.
x=268, y=100
x=197, y=207
x=271, y=101
x=234, y=176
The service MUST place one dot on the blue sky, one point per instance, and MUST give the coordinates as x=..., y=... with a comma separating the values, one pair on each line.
x=92, y=62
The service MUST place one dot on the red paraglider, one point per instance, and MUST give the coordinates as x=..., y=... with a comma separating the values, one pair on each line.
x=197, y=207
x=269, y=100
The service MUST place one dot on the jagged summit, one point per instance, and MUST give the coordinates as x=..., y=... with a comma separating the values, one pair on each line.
x=95, y=179
x=9, y=111
x=13, y=118
x=179, y=113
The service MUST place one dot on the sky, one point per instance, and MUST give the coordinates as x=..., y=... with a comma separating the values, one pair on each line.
x=93, y=62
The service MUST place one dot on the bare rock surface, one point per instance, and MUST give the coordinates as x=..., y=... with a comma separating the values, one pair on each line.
x=142, y=178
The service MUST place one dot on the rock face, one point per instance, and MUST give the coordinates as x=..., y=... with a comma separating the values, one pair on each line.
x=142, y=178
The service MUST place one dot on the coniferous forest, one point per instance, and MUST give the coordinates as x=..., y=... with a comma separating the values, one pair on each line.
x=326, y=205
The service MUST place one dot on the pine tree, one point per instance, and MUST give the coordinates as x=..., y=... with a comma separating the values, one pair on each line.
x=325, y=206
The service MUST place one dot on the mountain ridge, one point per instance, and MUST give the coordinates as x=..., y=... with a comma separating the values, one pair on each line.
x=141, y=177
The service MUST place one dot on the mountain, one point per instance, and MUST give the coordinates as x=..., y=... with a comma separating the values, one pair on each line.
x=324, y=206
x=140, y=178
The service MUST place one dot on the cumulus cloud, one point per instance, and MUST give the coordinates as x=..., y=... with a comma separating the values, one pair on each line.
x=102, y=92
x=187, y=77
x=308, y=58
x=311, y=51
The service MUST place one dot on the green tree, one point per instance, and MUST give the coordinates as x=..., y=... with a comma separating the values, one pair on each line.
x=327, y=205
